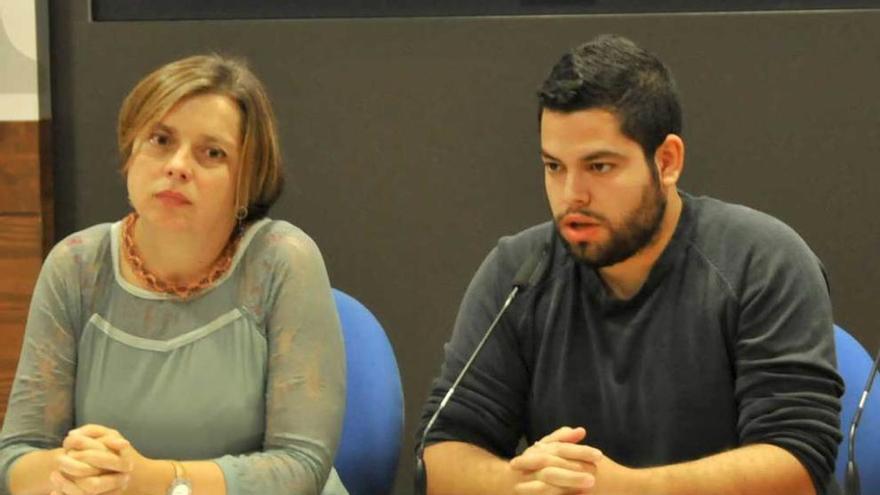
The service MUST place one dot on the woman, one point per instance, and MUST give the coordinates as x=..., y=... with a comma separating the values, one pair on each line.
x=194, y=345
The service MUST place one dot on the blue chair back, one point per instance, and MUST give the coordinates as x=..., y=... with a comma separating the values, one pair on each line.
x=854, y=363
x=371, y=431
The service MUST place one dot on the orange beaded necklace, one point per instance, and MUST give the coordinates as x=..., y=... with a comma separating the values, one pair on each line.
x=183, y=291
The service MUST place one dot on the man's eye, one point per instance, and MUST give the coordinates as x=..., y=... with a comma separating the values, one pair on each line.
x=601, y=167
x=552, y=166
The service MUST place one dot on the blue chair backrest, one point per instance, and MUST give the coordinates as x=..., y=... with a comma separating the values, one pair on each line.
x=371, y=431
x=854, y=363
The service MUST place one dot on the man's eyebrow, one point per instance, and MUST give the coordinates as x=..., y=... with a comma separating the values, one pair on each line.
x=544, y=154
x=596, y=155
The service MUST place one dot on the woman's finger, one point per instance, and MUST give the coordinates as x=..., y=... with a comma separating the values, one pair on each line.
x=64, y=485
x=103, y=460
x=68, y=464
x=94, y=431
x=103, y=483
x=114, y=441
x=75, y=441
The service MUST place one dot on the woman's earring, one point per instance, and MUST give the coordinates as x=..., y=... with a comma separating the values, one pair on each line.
x=240, y=214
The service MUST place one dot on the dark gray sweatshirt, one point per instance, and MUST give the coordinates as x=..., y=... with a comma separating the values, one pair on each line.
x=728, y=343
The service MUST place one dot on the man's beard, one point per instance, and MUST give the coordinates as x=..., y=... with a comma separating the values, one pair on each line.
x=637, y=230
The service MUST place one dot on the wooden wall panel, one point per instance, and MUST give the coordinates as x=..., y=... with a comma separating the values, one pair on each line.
x=20, y=256
x=25, y=233
x=21, y=187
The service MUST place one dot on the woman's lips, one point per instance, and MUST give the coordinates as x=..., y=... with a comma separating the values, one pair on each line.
x=173, y=198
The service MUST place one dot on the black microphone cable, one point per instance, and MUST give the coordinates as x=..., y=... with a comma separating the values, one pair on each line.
x=528, y=274
x=852, y=482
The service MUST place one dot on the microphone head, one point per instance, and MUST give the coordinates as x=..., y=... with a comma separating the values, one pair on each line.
x=530, y=270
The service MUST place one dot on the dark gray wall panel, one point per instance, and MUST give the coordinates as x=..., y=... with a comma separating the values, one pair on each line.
x=411, y=143
x=152, y=10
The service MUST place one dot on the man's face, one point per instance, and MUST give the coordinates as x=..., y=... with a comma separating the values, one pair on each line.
x=606, y=200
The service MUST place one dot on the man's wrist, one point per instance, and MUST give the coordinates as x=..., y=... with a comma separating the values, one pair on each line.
x=618, y=479
x=512, y=477
x=640, y=481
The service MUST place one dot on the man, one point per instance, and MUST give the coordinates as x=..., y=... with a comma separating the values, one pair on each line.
x=673, y=344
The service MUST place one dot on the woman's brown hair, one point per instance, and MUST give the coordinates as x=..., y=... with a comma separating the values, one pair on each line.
x=260, y=177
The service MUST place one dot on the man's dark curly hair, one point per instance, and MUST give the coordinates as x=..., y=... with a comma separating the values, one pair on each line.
x=613, y=73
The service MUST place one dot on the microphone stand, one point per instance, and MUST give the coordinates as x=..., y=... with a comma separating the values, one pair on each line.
x=466, y=366
x=527, y=275
x=853, y=484
x=421, y=475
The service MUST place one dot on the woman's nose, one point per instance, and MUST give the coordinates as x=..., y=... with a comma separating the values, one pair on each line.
x=179, y=165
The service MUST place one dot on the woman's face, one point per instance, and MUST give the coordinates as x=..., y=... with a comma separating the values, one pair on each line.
x=182, y=171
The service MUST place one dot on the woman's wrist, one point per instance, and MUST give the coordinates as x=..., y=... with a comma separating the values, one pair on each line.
x=150, y=476
x=30, y=472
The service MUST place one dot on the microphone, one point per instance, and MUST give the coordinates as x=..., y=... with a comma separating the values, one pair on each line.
x=527, y=275
x=852, y=482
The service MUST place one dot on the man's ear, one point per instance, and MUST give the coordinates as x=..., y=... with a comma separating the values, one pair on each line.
x=669, y=160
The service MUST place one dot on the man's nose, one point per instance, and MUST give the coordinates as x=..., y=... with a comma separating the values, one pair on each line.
x=578, y=188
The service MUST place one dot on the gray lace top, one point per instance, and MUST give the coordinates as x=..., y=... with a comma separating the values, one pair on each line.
x=250, y=373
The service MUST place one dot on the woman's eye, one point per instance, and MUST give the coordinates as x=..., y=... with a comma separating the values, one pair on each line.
x=215, y=153
x=159, y=139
